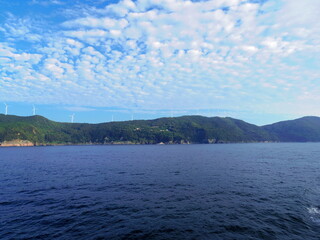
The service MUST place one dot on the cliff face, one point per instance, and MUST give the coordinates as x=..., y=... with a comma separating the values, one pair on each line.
x=17, y=143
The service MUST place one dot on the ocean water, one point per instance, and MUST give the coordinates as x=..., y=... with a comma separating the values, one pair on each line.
x=231, y=191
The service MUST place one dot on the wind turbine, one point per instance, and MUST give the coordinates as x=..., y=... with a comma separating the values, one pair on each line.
x=34, y=110
x=112, y=119
x=72, y=117
x=6, y=109
x=131, y=117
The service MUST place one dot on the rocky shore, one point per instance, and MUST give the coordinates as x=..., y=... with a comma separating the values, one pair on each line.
x=17, y=143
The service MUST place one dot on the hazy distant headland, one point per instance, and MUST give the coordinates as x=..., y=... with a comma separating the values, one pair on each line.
x=37, y=130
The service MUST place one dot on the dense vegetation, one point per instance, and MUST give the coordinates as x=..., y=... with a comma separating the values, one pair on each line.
x=186, y=129
x=306, y=129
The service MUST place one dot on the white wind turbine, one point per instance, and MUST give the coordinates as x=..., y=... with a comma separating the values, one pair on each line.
x=6, y=109
x=72, y=117
x=33, y=110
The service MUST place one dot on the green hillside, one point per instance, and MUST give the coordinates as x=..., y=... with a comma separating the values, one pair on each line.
x=179, y=130
x=186, y=129
x=306, y=129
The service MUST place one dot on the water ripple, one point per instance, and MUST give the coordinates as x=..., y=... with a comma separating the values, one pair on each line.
x=237, y=191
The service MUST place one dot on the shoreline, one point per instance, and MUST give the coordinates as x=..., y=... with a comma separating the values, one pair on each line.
x=26, y=143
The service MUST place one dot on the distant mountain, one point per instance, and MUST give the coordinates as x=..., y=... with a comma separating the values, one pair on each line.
x=306, y=129
x=187, y=129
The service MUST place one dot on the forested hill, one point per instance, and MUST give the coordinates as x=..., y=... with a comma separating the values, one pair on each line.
x=187, y=129
x=306, y=129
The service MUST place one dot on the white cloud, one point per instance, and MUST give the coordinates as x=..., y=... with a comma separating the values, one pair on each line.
x=92, y=22
x=79, y=109
x=173, y=54
x=47, y=2
x=20, y=29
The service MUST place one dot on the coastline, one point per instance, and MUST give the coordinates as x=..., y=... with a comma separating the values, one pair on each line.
x=27, y=143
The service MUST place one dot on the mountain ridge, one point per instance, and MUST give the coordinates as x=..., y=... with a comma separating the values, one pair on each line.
x=39, y=130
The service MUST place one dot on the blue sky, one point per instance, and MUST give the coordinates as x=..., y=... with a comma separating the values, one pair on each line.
x=254, y=60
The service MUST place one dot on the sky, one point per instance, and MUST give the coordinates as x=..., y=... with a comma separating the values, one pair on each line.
x=255, y=60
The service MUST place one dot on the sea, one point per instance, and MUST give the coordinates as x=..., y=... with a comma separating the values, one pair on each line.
x=220, y=191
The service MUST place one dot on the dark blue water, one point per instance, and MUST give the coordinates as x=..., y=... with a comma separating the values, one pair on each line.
x=232, y=191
